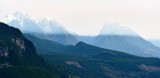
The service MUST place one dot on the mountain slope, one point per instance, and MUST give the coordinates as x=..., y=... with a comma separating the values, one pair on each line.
x=25, y=72
x=44, y=28
x=65, y=39
x=47, y=46
x=116, y=29
x=129, y=44
x=15, y=48
x=88, y=61
x=155, y=42
x=43, y=45
x=125, y=40
x=18, y=56
x=22, y=22
x=55, y=32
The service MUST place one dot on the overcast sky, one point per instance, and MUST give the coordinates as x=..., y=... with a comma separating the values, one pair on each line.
x=87, y=16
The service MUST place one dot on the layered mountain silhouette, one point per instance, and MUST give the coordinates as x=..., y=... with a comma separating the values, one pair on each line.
x=112, y=36
x=19, y=59
x=115, y=37
x=44, y=28
x=22, y=22
x=88, y=61
x=18, y=56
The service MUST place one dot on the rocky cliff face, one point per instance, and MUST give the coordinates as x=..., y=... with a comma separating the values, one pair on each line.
x=15, y=49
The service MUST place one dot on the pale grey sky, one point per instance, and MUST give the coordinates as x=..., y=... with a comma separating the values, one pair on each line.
x=87, y=16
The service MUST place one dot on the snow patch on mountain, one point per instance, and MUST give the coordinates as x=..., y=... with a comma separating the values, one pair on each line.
x=15, y=16
x=28, y=25
x=116, y=29
x=49, y=26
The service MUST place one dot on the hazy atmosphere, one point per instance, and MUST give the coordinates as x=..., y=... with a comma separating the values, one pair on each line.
x=79, y=38
x=86, y=17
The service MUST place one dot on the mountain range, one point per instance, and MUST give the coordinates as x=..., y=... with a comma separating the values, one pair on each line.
x=116, y=37
x=87, y=61
x=20, y=58
x=44, y=28
x=112, y=36
x=125, y=40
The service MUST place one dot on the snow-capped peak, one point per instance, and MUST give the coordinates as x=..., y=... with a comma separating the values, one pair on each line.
x=48, y=25
x=29, y=25
x=8, y=18
x=116, y=29
x=14, y=16
x=21, y=21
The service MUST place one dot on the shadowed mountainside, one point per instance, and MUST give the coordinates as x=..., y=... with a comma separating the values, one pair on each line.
x=88, y=61
x=18, y=57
